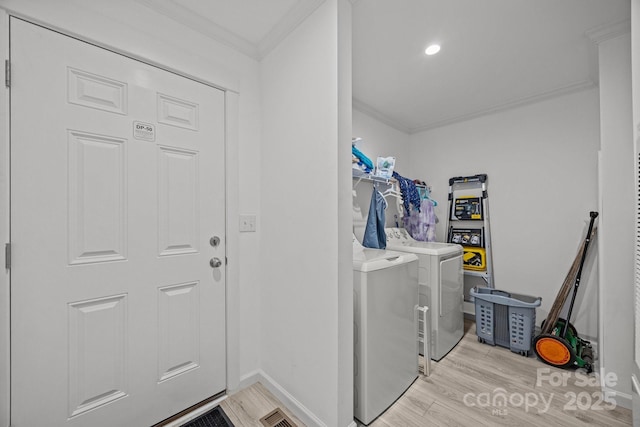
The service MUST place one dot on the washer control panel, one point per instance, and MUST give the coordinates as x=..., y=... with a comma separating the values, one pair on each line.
x=398, y=236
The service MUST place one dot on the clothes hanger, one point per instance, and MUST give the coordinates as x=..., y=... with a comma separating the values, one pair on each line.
x=394, y=195
x=398, y=197
x=425, y=194
x=392, y=191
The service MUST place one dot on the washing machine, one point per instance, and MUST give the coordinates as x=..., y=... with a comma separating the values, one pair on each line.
x=385, y=285
x=441, y=280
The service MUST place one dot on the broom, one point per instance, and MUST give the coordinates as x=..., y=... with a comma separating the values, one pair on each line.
x=563, y=293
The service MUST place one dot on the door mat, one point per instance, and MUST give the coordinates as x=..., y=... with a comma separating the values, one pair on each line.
x=214, y=418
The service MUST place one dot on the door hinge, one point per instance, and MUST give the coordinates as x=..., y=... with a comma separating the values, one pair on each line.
x=7, y=73
x=7, y=256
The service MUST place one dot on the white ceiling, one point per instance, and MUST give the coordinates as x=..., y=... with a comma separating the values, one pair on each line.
x=496, y=54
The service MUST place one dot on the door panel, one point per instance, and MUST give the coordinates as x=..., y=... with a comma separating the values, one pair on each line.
x=97, y=198
x=117, y=178
x=179, y=201
x=178, y=312
x=97, y=360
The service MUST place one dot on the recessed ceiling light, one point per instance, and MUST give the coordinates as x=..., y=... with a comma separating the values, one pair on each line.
x=433, y=49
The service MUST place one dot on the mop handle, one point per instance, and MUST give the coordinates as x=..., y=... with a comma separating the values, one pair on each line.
x=593, y=216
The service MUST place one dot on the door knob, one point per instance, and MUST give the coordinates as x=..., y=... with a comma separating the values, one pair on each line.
x=215, y=262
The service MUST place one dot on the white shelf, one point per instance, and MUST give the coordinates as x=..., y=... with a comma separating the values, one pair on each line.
x=358, y=174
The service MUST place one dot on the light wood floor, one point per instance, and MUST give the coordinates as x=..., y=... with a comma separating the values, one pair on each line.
x=474, y=385
x=246, y=407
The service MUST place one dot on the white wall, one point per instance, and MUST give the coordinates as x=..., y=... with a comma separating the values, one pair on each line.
x=378, y=139
x=344, y=392
x=130, y=28
x=541, y=162
x=303, y=254
x=617, y=222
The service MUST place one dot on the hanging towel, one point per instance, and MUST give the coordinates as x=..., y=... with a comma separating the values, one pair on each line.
x=409, y=191
x=422, y=225
x=374, y=235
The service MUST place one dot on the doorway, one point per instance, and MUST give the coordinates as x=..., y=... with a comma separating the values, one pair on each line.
x=118, y=235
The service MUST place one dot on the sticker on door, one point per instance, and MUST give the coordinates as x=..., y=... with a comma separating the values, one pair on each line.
x=144, y=131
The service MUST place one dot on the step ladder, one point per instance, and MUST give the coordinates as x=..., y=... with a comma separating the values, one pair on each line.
x=468, y=225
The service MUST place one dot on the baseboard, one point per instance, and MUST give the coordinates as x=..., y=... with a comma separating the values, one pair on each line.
x=469, y=310
x=469, y=316
x=622, y=399
x=249, y=379
x=287, y=399
x=299, y=410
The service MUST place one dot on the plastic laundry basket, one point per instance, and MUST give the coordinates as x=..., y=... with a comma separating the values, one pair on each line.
x=505, y=319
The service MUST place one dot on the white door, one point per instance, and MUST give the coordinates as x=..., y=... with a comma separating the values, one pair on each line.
x=117, y=187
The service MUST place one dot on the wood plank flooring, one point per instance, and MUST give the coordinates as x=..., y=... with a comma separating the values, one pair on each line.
x=474, y=385
x=246, y=407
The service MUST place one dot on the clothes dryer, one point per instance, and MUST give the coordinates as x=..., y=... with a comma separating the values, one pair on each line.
x=385, y=285
x=441, y=280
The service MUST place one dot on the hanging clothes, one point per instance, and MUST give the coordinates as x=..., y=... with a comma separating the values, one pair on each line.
x=410, y=194
x=374, y=234
x=421, y=225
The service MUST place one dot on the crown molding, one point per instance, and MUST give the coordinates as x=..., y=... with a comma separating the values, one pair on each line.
x=190, y=19
x=202, y=25
x=381, y=117
x=532, y=99
x=606, y=32
x=519, y=102
x=298, y=13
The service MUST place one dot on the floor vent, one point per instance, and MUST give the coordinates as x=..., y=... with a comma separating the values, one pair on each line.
x=277, y=418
